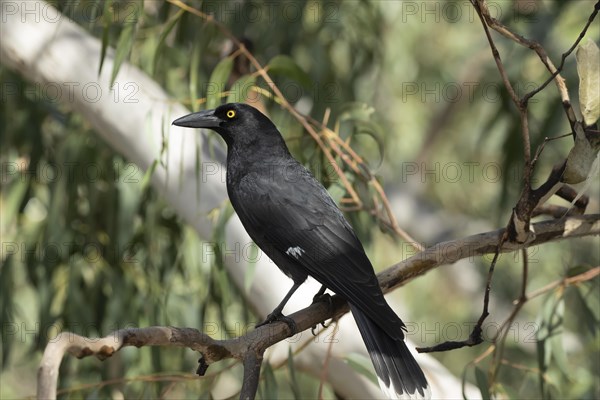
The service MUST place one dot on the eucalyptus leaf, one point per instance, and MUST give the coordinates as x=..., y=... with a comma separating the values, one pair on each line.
x=286, y=66
x=270, y=383
x=163, y=35
x=126, y=40
x=195, y=75
x=588, y=69
x=356, y=112
x=482, y=382
x=556, y=341
x=7, y=309
x=12, y=202
x=293, y=380
x=587, y=315
x=362, y=365
x=107, y=17
x=581, y=158
x=240, y=89
x=216, y=84
x=148, y=175
x=253, y=253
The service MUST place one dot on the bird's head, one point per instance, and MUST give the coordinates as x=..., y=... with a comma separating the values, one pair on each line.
x=237, y=123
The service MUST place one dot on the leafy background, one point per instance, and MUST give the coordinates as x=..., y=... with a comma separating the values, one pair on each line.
x=98, y=249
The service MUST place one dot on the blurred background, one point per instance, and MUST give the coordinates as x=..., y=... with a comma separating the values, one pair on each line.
x=411, y=86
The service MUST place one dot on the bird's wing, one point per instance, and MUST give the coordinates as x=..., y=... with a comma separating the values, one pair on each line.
x=298, y=219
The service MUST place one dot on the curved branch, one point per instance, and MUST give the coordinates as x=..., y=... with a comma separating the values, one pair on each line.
x=102, y=348
x=250, y=347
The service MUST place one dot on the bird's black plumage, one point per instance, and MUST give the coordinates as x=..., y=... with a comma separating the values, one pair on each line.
x=293, y=219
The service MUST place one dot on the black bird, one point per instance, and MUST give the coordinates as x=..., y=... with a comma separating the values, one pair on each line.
x=293, y=219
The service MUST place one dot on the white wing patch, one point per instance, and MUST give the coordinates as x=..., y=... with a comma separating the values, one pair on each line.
x=295, y=252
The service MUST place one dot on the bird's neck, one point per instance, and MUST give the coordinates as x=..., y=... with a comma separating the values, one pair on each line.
x=252, y=151
x=246, y=157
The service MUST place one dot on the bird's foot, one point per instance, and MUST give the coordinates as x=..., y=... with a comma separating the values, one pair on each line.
x=278, y=316
x=321, y=297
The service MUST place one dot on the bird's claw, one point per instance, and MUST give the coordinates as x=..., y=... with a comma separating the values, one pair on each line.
x=319, y=297
x=323, y=324
x=280, y=317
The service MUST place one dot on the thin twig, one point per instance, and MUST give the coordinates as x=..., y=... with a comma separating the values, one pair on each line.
x=476, y=336
x=541, y=147
x=482, y=12
x=564, y=56
x=573, y=280
x=528, y=171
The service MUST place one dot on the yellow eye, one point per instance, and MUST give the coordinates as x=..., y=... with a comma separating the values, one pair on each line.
x=230, y=114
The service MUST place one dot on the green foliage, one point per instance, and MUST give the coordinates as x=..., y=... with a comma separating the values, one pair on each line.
x=482, y=383
x=293, y=380
x=88, y=246
x=217, y=80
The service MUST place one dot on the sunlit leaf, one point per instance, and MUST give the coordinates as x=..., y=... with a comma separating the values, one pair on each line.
x=588, y=69
x=581, y=159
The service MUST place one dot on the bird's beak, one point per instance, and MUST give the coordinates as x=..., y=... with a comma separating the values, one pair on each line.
x=202, y=119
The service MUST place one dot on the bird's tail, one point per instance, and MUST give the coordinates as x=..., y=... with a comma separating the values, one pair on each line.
x=399, y=375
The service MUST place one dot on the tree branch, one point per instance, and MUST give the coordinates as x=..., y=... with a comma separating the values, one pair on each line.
x=249, y=348
x=252, y=363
